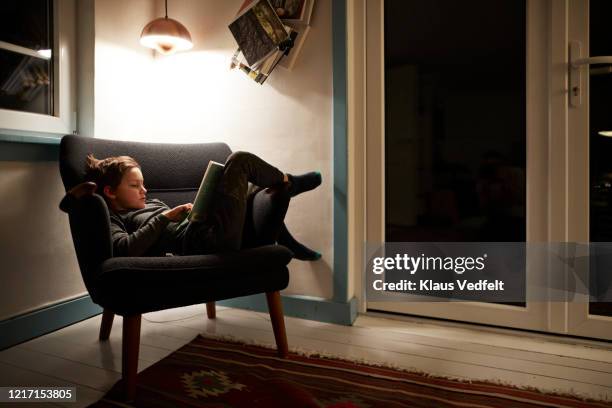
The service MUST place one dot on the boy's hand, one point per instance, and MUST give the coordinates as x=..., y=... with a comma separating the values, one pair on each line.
x=83, y=189
x=178, y=213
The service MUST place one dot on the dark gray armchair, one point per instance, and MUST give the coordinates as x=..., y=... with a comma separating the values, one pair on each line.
x=130, y=286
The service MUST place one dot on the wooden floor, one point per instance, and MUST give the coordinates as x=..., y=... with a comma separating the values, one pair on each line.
x=73, y=356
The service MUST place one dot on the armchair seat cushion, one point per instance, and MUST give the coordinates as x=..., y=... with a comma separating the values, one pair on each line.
x=130, y=285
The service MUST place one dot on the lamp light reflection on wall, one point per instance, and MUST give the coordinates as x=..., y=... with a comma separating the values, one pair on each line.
x=166, y=35
x=606, y=133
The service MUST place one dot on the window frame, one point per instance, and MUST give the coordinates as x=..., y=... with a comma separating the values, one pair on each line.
x=16, y=126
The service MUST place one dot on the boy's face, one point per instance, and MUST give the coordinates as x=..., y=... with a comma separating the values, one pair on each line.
x=130, y=194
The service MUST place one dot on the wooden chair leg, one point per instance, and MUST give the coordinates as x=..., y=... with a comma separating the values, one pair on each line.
x=275, y=308
x=211, y=311
x=107, y=324
x=129, y=357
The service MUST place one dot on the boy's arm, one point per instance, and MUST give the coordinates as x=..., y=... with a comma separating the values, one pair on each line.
x=138, y=242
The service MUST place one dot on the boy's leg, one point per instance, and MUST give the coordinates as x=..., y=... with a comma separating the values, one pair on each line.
x=266, y=209
x=300, y=251
x=240, y=169
x=249, y=240
x=223, y=232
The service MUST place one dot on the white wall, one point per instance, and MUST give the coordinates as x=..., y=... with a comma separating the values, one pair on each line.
x=37, y=262
x=126, y=92
x=194, y=97
x=38, y=265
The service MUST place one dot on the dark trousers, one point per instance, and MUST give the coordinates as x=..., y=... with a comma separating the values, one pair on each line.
x=242, y=217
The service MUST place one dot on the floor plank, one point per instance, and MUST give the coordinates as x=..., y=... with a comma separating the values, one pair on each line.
x=12, y=375
x=73, y=355
x=415, y=361
x=450, y=353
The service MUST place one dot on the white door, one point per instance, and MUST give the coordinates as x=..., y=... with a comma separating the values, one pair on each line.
x=555, y=152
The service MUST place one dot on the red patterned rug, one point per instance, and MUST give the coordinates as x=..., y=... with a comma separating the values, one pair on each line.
x=217, y=373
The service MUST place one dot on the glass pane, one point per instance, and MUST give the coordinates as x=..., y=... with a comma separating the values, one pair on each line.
x=455, y=120
x=26, y=23
x=600, y=145
x=25, y=83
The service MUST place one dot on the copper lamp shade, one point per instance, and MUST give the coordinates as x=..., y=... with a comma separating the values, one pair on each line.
x=166, y=35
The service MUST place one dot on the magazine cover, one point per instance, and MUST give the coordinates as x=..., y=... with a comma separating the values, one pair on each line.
x=293, y=11
x=258, y=31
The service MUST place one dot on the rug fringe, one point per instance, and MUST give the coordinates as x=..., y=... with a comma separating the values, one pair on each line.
x=412, y=370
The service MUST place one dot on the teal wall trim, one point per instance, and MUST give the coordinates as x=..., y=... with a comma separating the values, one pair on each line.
x=23, y=152
x=26, y=138
x=30, y=325
x=340, y=154
x=303, y=307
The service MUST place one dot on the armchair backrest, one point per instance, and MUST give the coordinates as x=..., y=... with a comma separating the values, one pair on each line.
x=172, y=173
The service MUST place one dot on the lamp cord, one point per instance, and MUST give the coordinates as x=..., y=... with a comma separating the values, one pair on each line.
x=166, y=8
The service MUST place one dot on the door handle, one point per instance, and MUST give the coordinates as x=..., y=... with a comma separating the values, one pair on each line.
x=576, y=61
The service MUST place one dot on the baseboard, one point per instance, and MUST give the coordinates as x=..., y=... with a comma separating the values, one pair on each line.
x=304, y=307
x=28, y=326
x=35, y=324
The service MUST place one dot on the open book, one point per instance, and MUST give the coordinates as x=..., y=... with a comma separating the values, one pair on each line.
x=203, y=203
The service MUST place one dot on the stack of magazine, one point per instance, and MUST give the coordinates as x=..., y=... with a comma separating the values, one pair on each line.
x=263, y=38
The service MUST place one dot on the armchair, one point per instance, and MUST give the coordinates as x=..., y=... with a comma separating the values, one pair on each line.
x=131, y=286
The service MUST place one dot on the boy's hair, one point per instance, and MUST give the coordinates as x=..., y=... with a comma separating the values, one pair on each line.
x=109, y=171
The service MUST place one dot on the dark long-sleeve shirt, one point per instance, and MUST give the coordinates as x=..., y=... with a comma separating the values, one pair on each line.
x=140, y=232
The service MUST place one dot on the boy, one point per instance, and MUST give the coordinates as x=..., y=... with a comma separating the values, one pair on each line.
x=141, y=226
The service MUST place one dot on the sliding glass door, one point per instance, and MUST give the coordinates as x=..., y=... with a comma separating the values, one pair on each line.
x=471, y=138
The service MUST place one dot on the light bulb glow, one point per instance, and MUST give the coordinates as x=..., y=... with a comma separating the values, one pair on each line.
x=166, y=36
x=606, y=133
x=166, y=44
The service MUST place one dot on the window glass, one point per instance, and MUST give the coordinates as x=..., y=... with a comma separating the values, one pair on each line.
x=455, y=121
x=26, y=55
x=600, y=149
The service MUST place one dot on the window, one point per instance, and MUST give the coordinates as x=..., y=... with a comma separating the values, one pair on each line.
x=26, y=56
x=37, y=73
x=455, y=140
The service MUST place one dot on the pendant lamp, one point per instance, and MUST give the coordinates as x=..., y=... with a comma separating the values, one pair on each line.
x=166, y=35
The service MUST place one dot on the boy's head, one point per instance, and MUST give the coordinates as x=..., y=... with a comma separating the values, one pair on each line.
x=119, y=180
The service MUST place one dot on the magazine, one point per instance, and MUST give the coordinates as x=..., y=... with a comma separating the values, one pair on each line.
x=258, y=31
x=293, y=11
x=260, y=72
x=289, y=11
